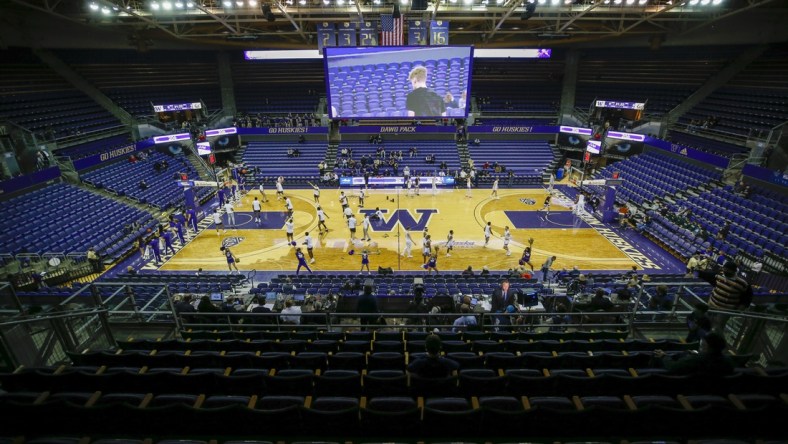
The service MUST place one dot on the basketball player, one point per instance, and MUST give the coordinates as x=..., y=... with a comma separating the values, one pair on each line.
x=280, y=190
x=348, y=212
x=552, y=182
x=410, y=186
x=167, y=236
x=449, y=243
x=580, y=205
x=495, y=189
x=231, y=259
x=191, y=218
x=321, y=220
x=217, y=221
x=408, y=244
x=361, y=195
x=365, y=228
x=435, y=185
x=468, y=185
x=289, y=206
x=228, y=209
x=257, y=207
x=546, y=206
x=315, y=192
x=487, y=233
x=343, y=200
x=417, y=184
x=289, y=229
x=507, y=237
x=351, y=224
x=426, y=248
x=310, y=244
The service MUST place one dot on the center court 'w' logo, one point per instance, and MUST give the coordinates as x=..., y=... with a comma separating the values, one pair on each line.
x=403, y=217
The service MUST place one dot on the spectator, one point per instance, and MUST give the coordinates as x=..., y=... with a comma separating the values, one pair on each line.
x=367, y=306
x=600, y=302
x=433, y=365
x=206, y=306
x=94, y=260
x=698, y=323
x=291, y=314
x=710, y=360
x=731, y=292
x=466, y=321
x=660, y=300
x=143, y=185
x=468, y=272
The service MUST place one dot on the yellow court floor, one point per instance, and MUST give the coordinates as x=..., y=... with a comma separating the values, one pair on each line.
x=560, y=233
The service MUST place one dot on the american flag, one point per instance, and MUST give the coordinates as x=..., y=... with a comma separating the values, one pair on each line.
x=391, y=28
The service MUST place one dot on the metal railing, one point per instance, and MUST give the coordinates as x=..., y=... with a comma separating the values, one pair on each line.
x=86, y=315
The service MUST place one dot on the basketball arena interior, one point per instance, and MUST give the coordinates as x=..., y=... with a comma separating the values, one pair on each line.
x=418, y=221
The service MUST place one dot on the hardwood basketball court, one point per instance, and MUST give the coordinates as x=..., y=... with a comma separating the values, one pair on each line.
x=265, y=249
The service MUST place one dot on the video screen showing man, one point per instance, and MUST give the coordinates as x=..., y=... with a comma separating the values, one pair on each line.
x=422, y=101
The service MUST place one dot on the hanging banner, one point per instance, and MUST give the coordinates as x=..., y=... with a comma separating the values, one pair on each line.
x=368, y=33
x=439, y=32
x=347, y=34
x=417, y=33
x=326, y=35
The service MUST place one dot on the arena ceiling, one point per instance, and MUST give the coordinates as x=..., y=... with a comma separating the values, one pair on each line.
x=484, y=23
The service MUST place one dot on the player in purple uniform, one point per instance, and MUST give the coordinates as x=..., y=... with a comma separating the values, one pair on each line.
x=167, y=236
x=191, y=218
x=231, y=259
x=301, y=261
x=154, y=246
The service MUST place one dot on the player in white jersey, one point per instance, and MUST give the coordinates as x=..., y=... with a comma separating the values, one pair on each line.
x=580, y=205
x=468, y=185
x=280, y=190
x=262, y=192
x=289, y=229
x=495, y=189
x=361, y=195
x=257, y=207
x=435, y=180
x=228, y=209
x=217, y=221
x=426, y=248
x=365, y=228
x=487, y=233
x=321, y=220
x=347, y=212
x=289, y=206
x=507, y=237
x=310, y=244
x=408, y=244
x=449, y=243
x=315, y=192
x=351, y=224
